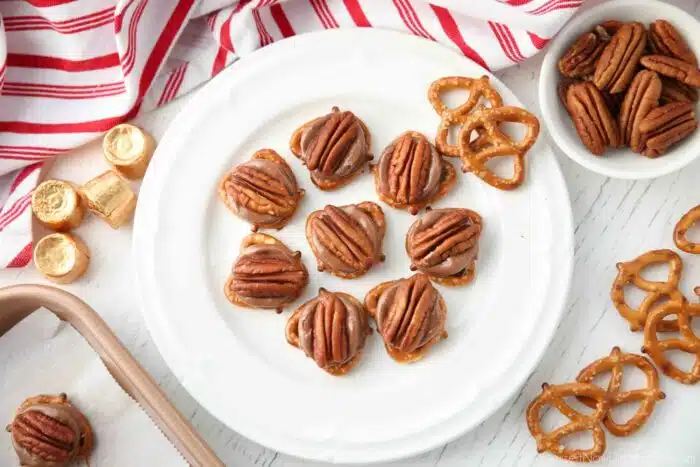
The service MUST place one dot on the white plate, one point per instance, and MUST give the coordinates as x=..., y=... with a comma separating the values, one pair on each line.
x=619, y=163
x=236, y=362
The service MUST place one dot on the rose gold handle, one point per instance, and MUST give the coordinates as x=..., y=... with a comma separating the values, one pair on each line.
x=18, y=302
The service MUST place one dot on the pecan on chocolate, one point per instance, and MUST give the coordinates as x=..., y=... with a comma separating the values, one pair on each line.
x=668, y=124
x=673, y=68
x=334, y=148
x=444, y=243
x=266, y=274
x=580, y=60
x=410, y=316
x=331, y=329
x=666, y=40
x=48, y=431
x=593, y=121
x=262, y=191
x=347, y=240
x=642, y=96
x=618, y=62
x=411, y=173
x=673, y=90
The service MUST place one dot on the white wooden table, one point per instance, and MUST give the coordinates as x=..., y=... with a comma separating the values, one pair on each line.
x=614, y=220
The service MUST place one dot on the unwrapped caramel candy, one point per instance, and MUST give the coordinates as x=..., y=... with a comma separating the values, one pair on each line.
x=128, y=149
x=61, y=257
x=109, y=196
x=57, y=205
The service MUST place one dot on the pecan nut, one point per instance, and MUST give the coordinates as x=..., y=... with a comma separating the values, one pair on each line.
x=444, y=244
x=410, y=315
x=347, y=240
x=594, y=123
x=331, y=329
x=666, y=40
x=673, y=90
x=266, y=274
x=642, y=96
x=618, y=62
x=673, y=68
x=333, y=147
x=48, y=431
x=668, y=124
x=262, y=191
x=411, y=173
x=580, y=60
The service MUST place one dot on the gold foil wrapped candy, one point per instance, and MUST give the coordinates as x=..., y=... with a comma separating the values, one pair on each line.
x=109, y=196
x=61, y=257
x=128, y=149
x=57, y=205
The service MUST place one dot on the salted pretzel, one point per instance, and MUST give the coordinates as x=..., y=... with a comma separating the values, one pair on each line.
x=630, y=273
x=614, y=363
x=689, y=219
x=478, y=88
x=486, y=122
x=688, y=342
x=554, y=395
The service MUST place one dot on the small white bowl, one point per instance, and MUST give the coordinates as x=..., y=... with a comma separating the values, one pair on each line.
x=620, y=163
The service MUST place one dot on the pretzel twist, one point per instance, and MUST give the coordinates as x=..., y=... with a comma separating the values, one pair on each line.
x=688, y=220
x=630, y=273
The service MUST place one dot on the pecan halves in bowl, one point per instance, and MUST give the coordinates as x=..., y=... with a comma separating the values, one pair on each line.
x=266, y=274
x=668, y=124
x=334, y=147
x=673, y=68
x=673, y=90
x=48, y=431
x=262, y=191
x=411, y=173
x=666, y=40
x=331, y=329
x=620, y=58
x=641, y=97
x=580, y=60
x=347, y=240
x=410, y=316
x=594, y=123
x=444, y=244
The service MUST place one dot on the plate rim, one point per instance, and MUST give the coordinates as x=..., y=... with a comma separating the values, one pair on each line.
x=143, y=227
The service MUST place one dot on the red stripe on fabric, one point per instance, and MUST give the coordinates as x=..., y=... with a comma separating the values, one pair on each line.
x=211, y=21
x=449, y=25
x=31, y=148
x=554, y=5
x=320, y=14
x=537, y=41
x=16, y=210
x=173, y=85
x=22, y=258
x=501, y=41
x=48, y=3
x=262, y=32
x=219, y=61
x=225, y=33
x=356, y=13
x=56, y=63
x=71, y=26
x=404, y=18
x=180, y=79
x=277, y=13
x=119, y=18
x=23, y=174
x=510, y=38
x=413, y=17
x=329, y=14
x=168, y=83
x=66, y=87
x=24, y=158
x=518, y=2
x=130, y=56
x=58, y=95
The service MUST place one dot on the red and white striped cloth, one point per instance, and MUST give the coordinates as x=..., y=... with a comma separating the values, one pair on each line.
x=70, y=69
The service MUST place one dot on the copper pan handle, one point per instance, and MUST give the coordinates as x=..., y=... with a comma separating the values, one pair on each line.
x=19, y=301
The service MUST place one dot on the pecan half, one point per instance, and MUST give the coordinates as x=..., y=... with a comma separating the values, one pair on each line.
x=410, y=315
x=333, y=147
x=411, y=173
x=642, y=96
x=668, y=124
x=673, y=68
x=444, y=244
x=581, y=58
x=674, y=91
x=618, y=62
x=593, y=121
x=330, y=328
x=266, y=274
x=47, y=431
x=263, y=191
x=666, y=40
x=347, y=240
